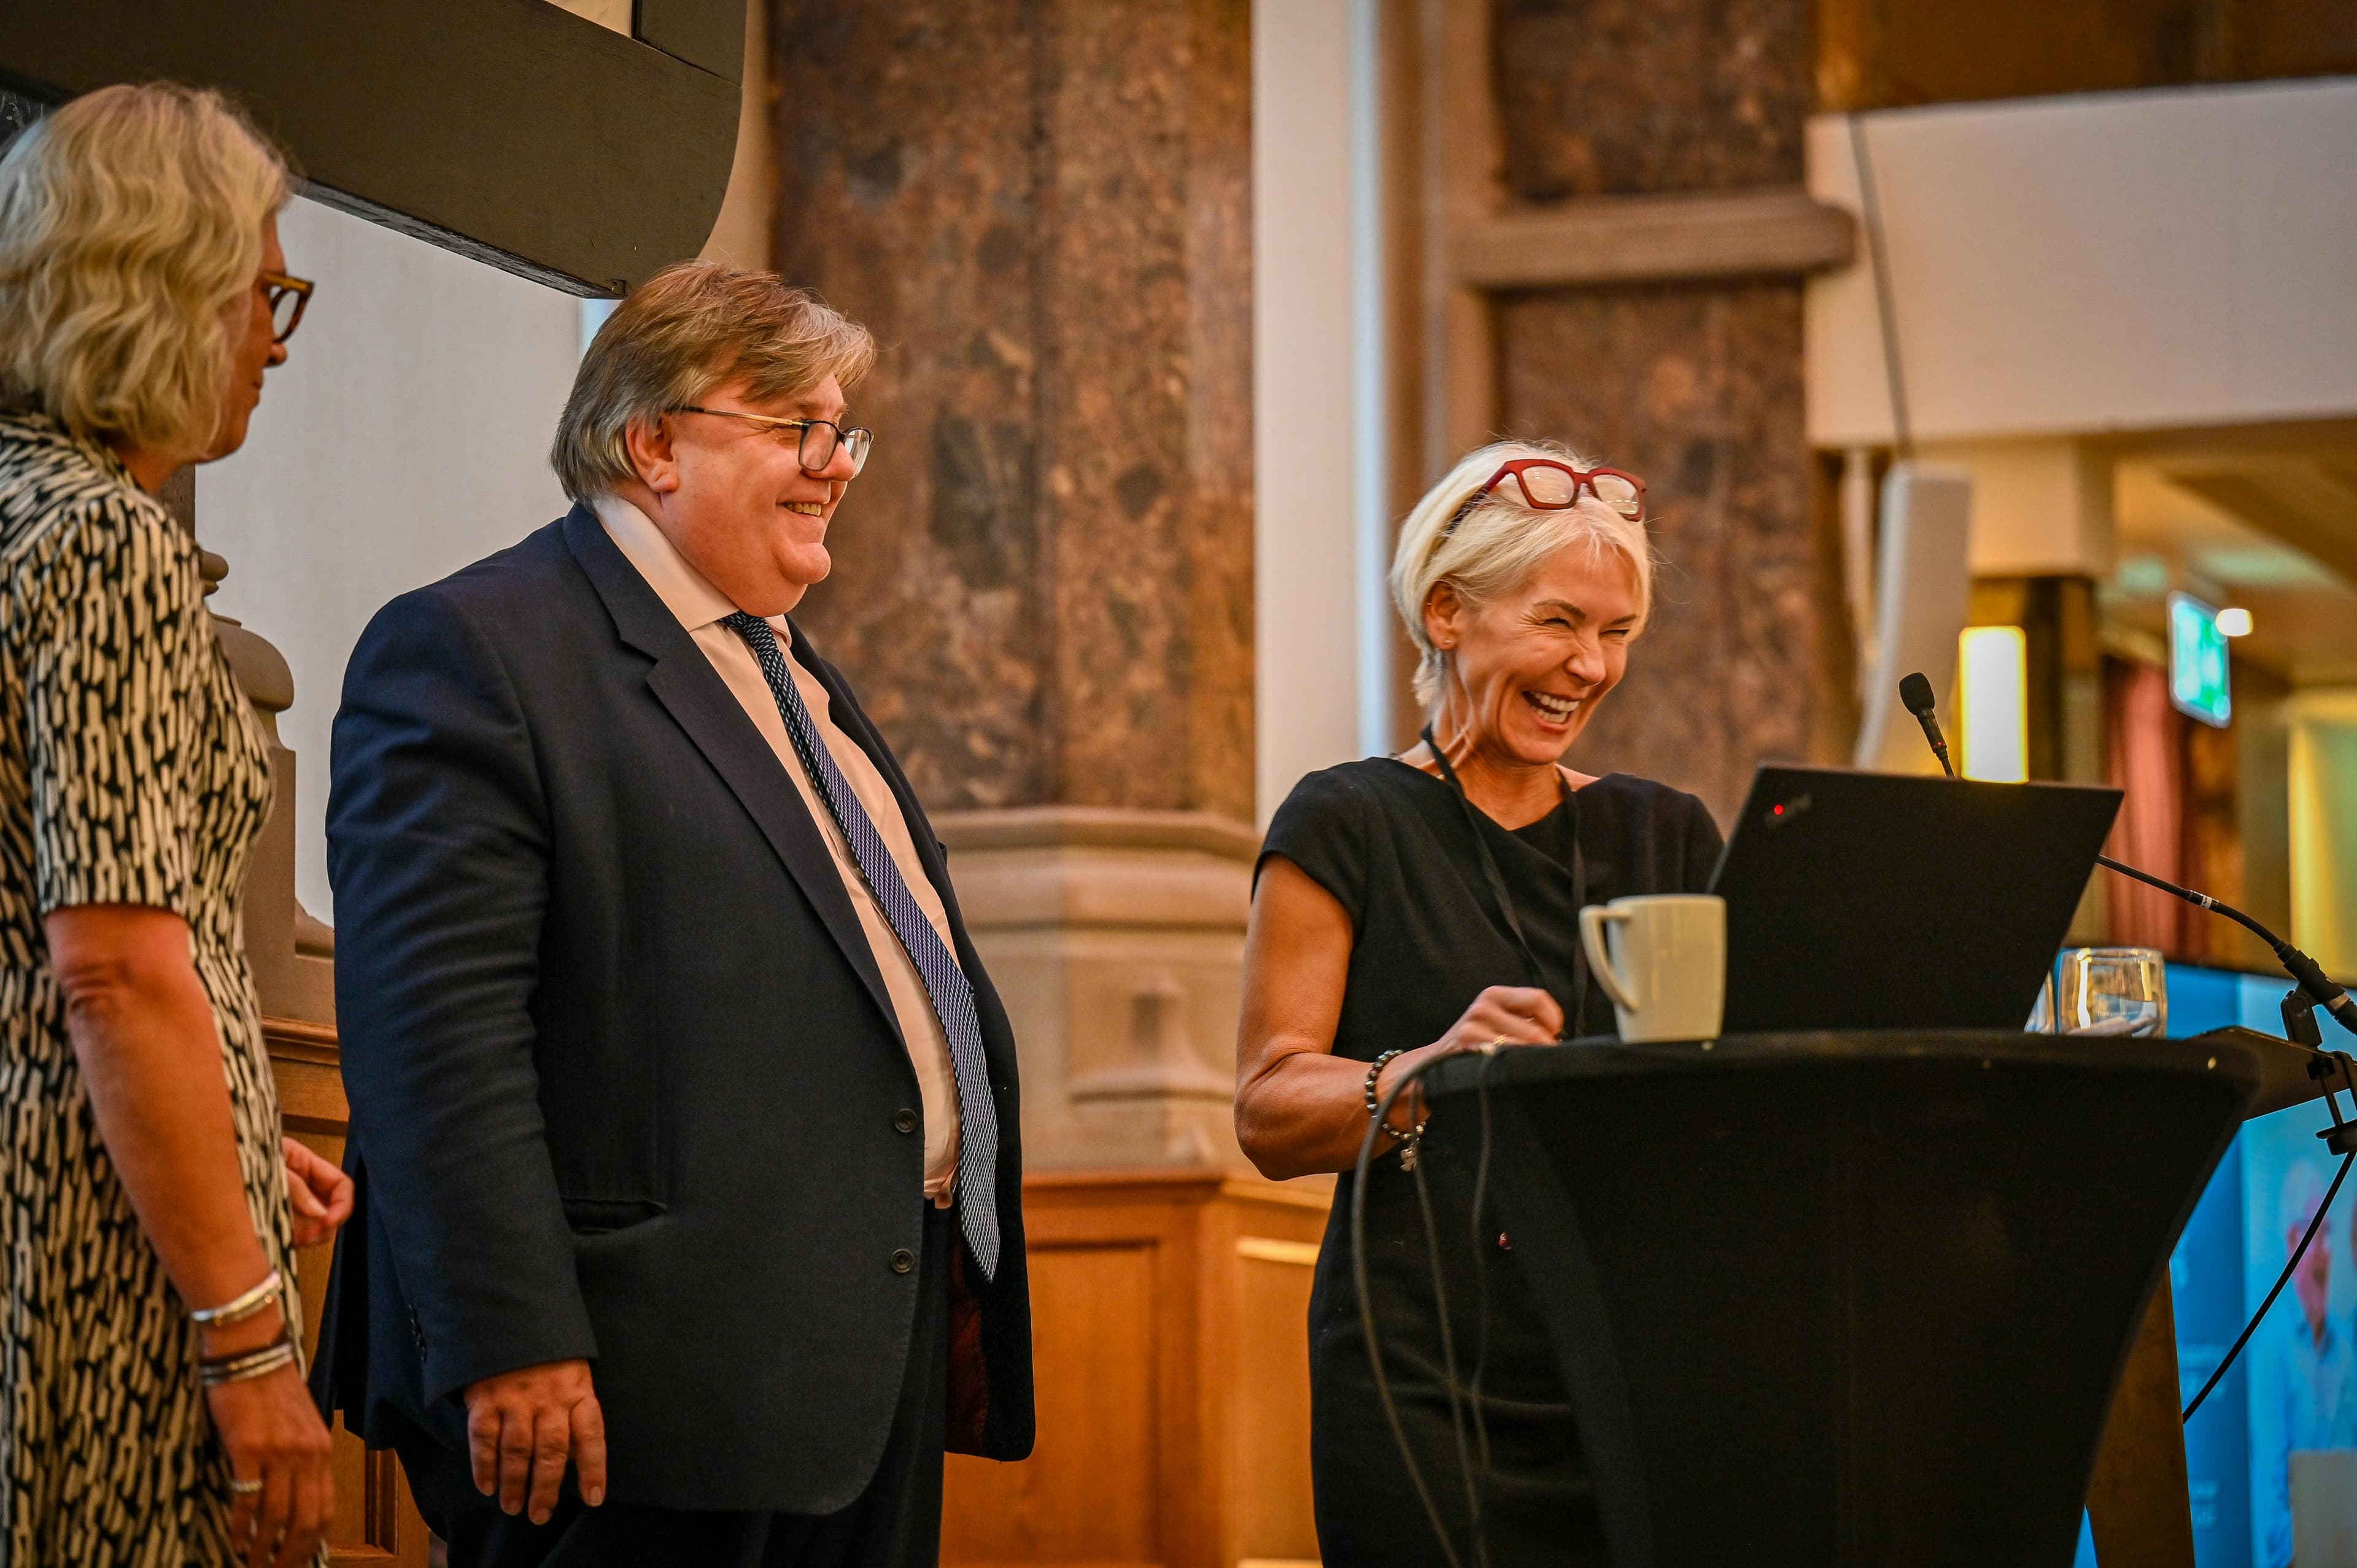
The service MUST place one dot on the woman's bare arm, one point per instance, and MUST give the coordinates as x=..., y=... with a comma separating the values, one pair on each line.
x=1300, y=1108
x=143, y=1033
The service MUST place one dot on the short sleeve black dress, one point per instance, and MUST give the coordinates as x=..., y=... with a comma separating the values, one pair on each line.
x=1394, y=845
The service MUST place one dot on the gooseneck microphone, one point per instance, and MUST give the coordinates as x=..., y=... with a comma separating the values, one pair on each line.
x=1915, y=692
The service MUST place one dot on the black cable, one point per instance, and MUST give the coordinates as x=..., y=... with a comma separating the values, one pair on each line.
x=1448, y=1362
x=1375, y=1128
x=1886, y=302
x=2321, y=987
x=1481, y=1266
x=2281, y=1279
x=1915, y=695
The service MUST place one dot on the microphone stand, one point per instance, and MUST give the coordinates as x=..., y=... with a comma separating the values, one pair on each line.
x=2316, y=989
x=2319, y=987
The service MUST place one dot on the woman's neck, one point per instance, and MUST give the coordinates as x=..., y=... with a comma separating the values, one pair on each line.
x=149, y=470
x=1510, y=791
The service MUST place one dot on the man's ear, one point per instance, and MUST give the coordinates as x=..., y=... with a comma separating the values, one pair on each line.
x=648, y=444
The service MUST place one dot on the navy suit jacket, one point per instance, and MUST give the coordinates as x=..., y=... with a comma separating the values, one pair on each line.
x=625, y=1081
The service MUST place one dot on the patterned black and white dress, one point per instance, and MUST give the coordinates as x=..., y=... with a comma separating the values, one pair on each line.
x=132, y=771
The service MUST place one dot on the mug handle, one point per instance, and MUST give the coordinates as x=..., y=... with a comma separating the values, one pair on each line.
x=1591, y=936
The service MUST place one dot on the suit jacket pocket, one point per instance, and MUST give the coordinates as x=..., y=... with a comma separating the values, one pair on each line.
x=601, y=1216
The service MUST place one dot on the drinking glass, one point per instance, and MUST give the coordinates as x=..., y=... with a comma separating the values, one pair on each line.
x=2110, y=991
x=2042, y=1012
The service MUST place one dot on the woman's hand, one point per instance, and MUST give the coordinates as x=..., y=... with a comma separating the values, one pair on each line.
x=319, y=1193
x=272, y=1433
x=1506, y=1015
x=1501, y=1016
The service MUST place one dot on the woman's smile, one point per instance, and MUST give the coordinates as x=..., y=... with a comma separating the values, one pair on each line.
x=1555, y=711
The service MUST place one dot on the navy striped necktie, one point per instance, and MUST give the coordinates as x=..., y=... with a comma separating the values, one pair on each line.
x=945, y=983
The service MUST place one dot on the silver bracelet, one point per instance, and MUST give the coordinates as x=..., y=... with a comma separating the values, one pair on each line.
x=245, y=1307
x=260, y=1363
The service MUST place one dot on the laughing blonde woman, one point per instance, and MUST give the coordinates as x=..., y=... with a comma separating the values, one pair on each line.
x=152, y=1404
x=1411, y=906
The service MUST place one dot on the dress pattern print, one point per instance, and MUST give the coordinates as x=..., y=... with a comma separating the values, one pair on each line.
x=132, y=771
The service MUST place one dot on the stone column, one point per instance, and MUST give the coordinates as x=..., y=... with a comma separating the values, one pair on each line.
x=1043, y=582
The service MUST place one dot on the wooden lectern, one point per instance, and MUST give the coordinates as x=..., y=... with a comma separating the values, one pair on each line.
x=1850, y=1298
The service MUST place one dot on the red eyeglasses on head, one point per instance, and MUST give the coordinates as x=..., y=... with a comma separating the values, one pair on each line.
x=1548, y=485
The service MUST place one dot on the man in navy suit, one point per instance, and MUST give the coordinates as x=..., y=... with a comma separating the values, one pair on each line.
x=685, y=1114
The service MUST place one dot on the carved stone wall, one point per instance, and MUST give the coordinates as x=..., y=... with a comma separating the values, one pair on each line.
x=1042, y=207
x=1695, y=384
x=1696, y=387
x=1638, y=97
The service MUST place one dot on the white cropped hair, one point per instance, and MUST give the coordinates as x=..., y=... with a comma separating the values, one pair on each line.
x=1500, y=543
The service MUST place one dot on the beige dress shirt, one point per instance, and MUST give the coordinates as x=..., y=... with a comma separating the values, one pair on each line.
x=701, y=608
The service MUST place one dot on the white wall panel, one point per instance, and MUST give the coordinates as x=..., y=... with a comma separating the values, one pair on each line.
x=1306, y=601
x=2117, y=260
x=406, y=436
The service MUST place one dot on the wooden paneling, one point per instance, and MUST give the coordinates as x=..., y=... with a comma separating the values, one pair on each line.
x=1171, y=1338
x=1268, y=1371
x=376, y=1521
x=1100, y=1417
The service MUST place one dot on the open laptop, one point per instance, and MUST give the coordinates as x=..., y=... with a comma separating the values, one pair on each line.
x=1884, y=901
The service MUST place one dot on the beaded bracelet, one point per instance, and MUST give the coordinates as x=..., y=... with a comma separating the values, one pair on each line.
x=245, y=1307
x=1414, y=1136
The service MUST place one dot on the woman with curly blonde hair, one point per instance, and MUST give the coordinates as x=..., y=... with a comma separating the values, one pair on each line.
x=1409, y=907
x=152, y=1404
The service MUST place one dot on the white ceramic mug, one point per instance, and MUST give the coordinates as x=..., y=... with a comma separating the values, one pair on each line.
x=1666, y=967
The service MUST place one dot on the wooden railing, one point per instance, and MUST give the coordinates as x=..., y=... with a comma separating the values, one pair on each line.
x=376, y=1522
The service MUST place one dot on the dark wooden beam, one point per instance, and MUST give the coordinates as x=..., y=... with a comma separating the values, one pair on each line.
x=506, y=130
x=707, y=35
x=1644, y=239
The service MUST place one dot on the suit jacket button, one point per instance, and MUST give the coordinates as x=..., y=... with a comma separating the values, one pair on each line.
x=904, y=1121
x=903, y=1261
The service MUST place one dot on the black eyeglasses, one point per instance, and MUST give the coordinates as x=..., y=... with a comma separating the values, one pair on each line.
x=288, y=297
x=815, y=440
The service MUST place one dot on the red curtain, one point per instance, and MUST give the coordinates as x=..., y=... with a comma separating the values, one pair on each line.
x=2145, y=752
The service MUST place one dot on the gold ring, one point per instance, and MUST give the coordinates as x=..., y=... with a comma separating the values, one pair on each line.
x=244, y=1488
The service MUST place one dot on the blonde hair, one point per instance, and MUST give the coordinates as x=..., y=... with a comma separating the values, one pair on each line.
x=130, y=225
x=683, y=332
x=1497, y=543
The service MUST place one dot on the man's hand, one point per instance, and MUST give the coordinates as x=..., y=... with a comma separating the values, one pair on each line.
x=523, y=1426
x=319, y=1193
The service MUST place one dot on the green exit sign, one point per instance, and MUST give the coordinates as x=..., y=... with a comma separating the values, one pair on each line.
x=2197, y=661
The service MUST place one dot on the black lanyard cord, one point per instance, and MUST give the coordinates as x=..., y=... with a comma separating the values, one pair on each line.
x=1506, y=900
